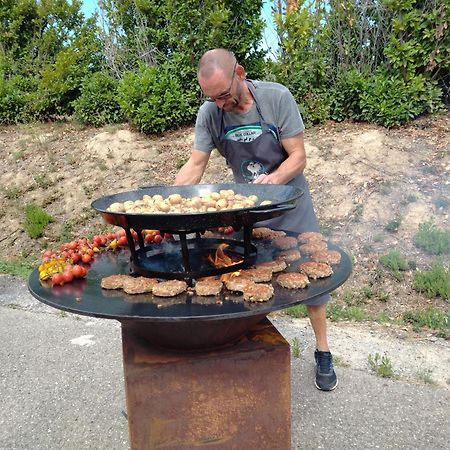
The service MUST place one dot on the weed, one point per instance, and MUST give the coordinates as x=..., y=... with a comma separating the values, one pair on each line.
x=432, y=239
x=393, y=225
x=383, y=297
x=358, y=212
x=180, y=163
x=88, y=190
x=395, y=263
x=297, y=311
x=36, y=219
x=429, y=317
x=295, y=348
x=434, y=282
x=19, y=154
x=368, y=292
x=378, y=238
x=380, y=365
x=12, y=193
x=72, y=159
x=411, y=198
x=66, y=232
x=340, y=362
x=43, y=181
x=348, y=297
x=62, y=313
x=385, y=188
x=17, y=268
x=425, y=376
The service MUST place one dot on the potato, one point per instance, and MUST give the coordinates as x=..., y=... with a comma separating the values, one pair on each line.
x=175, y=199
x=158, y=198
x=221, y=203
x=266, y=202
x=214, y=195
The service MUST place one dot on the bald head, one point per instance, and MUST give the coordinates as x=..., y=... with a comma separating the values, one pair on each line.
x=218, y=59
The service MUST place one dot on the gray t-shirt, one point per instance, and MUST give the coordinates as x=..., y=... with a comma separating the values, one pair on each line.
x=278, y=109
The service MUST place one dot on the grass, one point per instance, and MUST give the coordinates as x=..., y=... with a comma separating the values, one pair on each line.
x=338, y=361
x=429, y=317
x=434, y=282
x=295, y=348
x=424, y=375
x=12, y=193
x=17, y=268
x=380, y=365
x=393, y=225
x=395, y=263
x=432, y=239
x=36, y=219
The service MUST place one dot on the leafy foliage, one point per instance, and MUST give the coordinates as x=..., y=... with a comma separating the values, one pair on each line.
x=98, y=105
x=432, y=239
x=395, y=263
x=434, y=282
x=154, y=100
x=36, y=219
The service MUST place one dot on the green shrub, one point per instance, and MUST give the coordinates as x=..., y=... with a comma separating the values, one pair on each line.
x=429, y=317
x=36, y=219
x=315, y=108
x=347, y=95
x=97, y=104
x=432, y=239
x=154, y=101
x=17, y=268
x=434, y=282
x=381, y=365
x=395, y=263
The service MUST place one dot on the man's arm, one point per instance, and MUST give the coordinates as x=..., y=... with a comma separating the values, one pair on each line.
x=294, y=164
x=192, y=171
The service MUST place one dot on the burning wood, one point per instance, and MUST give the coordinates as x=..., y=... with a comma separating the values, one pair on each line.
x=221, y=259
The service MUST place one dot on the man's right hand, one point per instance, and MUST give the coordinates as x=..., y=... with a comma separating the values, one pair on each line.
x=192, y=171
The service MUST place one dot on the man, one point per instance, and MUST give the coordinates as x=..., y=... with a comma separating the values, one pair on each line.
x=257, y=127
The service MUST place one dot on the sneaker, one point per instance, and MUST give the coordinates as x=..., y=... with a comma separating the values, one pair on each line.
x=326, y=379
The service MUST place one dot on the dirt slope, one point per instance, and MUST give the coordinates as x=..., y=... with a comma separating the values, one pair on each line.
x=363, y=178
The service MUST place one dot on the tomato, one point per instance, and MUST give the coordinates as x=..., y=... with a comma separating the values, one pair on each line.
x=228, y=230
x=110, y=236
x=83, y=271
x=86, y=258
x=68, y=267
x=157, y=239
x=96, y=240
x=122, y=241
x=48, y=254
x=149, y=238
x=168, y=236
x=76, y=257
x=68, y=276
x=73, y=245
x=57, y=278
x=122, y=233
x=103, y=240
x=78, y=271
x=221, y=229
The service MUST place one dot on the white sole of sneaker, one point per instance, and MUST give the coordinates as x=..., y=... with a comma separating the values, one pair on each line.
x=326, y=390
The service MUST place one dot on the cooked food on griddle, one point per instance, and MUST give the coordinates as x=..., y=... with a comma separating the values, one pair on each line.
x=327, y=256
x=258, y=275
x=289, y=255
x=284, y=242
x=114, y=281
x=208, y=286
x=293, y=280
x=139, y=285
x=169, y=288
x=277, y=265
x=258, y=293
x=310, y=236
x=315, y=269
x=312, y=247
x=238, y=284
x=266, y=233
x=225, y=199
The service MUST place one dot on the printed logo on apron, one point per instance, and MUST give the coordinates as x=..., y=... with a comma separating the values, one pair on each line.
x=251, y=170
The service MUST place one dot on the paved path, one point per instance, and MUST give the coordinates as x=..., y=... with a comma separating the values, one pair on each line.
x=61, y=387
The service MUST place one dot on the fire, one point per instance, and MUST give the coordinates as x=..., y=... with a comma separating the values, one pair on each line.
x=221, y=259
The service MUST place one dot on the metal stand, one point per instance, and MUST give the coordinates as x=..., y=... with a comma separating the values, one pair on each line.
x=232, y=398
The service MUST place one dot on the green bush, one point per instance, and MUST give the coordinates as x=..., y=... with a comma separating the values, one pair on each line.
x=153, y=99
x=395, y=263
x=36, y=219
x=315, y=108
x=346, y=96
x=434, y=282
x=432, y=239
x=429, y=317
x=97, y=104
x=390, y=101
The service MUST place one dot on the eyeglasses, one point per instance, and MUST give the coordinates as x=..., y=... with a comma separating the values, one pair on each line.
x=226, y=95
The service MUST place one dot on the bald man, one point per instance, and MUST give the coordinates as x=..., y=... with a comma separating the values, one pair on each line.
x=257, y=127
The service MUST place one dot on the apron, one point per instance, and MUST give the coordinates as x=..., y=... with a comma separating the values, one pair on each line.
x=247, y=160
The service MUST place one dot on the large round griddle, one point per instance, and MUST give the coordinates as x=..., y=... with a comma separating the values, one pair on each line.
x=187, y=320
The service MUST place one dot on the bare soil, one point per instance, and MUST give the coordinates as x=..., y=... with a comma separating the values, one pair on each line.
x=363, y=179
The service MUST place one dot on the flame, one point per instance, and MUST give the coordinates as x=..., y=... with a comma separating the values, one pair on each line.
x=221, y=259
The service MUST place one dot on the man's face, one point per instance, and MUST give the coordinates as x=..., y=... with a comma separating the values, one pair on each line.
x=223, y=89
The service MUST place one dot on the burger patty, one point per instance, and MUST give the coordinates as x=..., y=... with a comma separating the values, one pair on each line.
x=285, y=242
x=293, y=280
x=208, y=286
x=289, y=255
x=266, y=233
x=169, y=288
x=277, y=265
x=327, y=256
x=310, y=236
x=311, y=247
x=114, y=281
x=238, y=284
x=258, y=275
x=315, y=270
x=139, y=285
x=258, y=293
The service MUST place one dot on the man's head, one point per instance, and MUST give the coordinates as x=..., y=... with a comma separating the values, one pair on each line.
x=222, y=79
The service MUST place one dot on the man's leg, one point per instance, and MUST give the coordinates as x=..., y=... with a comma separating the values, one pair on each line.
x=326, y=378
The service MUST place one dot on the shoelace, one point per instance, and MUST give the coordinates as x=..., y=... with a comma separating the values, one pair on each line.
x=324, y=362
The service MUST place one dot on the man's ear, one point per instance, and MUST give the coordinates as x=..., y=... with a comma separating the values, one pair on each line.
x=240, y=72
